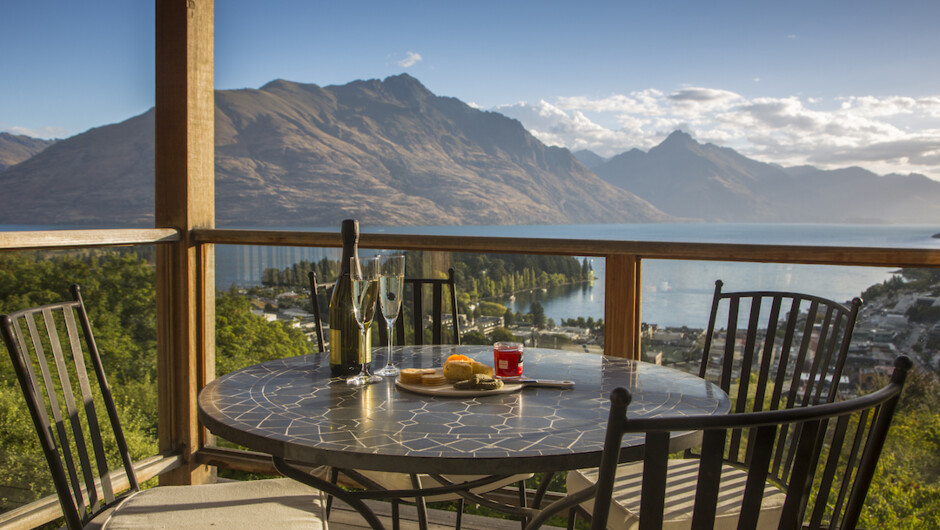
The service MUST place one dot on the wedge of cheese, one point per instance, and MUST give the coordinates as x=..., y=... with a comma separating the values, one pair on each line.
x=458, y=370
x=480, y=368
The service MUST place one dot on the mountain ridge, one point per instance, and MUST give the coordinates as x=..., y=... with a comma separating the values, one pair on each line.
x=387, y=152
x=681, y=176
x=16, y=148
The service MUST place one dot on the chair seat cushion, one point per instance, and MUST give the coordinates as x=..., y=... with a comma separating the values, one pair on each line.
x=402, y=481
x=275, y=503
x=681, y=481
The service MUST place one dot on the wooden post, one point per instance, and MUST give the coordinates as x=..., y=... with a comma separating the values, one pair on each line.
x=184, y=199
x=622, y=306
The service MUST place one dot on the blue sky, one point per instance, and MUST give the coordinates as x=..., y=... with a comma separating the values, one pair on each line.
x=830, y=83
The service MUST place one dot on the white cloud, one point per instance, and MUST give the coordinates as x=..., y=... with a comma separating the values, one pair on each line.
x=411, y=58
x=896, y=134
x=49, y=132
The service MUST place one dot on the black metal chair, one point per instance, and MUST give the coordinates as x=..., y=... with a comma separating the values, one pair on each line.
x=834, y=447
x=316, y=309
x=76, y=420
x=776, y=350
x=418, y=321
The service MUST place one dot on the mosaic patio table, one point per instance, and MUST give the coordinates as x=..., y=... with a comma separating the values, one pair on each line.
x=292, y=410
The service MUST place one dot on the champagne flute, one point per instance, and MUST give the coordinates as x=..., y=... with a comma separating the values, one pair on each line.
x=392, y=276
x=364, y=277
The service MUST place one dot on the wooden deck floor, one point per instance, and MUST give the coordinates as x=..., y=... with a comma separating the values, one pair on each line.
x=343, y=517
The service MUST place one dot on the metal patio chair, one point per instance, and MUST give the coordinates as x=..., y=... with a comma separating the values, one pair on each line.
x=51, y=348
x=774, y=350
x=312, y=276
x=834, y=447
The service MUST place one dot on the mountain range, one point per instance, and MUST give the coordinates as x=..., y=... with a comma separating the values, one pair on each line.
x=290, y=154
x=685, y=178
x=390, y=152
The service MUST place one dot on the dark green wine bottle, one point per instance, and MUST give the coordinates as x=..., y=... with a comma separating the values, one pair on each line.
x=345, y=359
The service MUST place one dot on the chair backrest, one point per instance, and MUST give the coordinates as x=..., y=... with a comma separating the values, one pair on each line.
x=417, y=311
x=794, y=343
x=50, y=348
x=842, y=468
x=776, y=350
x=316, y=309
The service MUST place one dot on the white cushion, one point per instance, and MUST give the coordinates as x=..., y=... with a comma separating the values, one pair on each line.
x=275, y=503
x=402, y=481
x=681, y=480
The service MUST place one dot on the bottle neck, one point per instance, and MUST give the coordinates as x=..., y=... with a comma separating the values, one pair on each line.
x=349, y=252
x=350, y=235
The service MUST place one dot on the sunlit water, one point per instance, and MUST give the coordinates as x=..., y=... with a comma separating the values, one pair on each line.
x=677, y=293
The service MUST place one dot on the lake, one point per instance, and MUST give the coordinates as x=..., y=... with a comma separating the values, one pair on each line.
x=675, y=293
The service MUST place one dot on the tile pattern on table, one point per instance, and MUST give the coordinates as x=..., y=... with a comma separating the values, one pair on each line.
x=293, y=402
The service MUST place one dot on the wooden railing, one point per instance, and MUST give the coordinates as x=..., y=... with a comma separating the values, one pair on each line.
x=51, y=239
x=623, y=274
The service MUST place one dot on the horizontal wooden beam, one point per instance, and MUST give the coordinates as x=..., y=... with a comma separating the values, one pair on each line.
x=47, y=509
x=47, y=239
x=815, y=255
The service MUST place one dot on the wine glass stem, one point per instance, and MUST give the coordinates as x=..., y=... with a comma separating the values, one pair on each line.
x=388, y=362
x=362, y=350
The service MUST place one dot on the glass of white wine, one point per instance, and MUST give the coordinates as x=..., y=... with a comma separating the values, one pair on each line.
x=364, y=277
x=391, y=278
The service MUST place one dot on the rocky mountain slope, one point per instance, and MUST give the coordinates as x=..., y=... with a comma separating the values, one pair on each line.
x=289, y=154
x=15, y=148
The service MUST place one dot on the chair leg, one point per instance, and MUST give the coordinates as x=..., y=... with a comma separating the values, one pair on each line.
x=460, y=502
x=421, y=506
x=572, y=513
x=522, y=501
x=395, y=520
x=334, y=477
x=422, y=513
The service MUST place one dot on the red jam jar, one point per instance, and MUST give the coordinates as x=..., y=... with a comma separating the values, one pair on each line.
x=507, y=359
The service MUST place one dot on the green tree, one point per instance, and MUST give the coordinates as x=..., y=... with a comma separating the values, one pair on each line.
x=491, y=309
x=243, y=339
x=905, y=492
x=503, y=335
x=538, y=315
x=474, y=337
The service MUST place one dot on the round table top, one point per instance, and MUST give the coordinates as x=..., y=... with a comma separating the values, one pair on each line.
x=290, y=408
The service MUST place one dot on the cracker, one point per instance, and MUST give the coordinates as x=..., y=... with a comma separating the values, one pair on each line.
x=434, y=379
